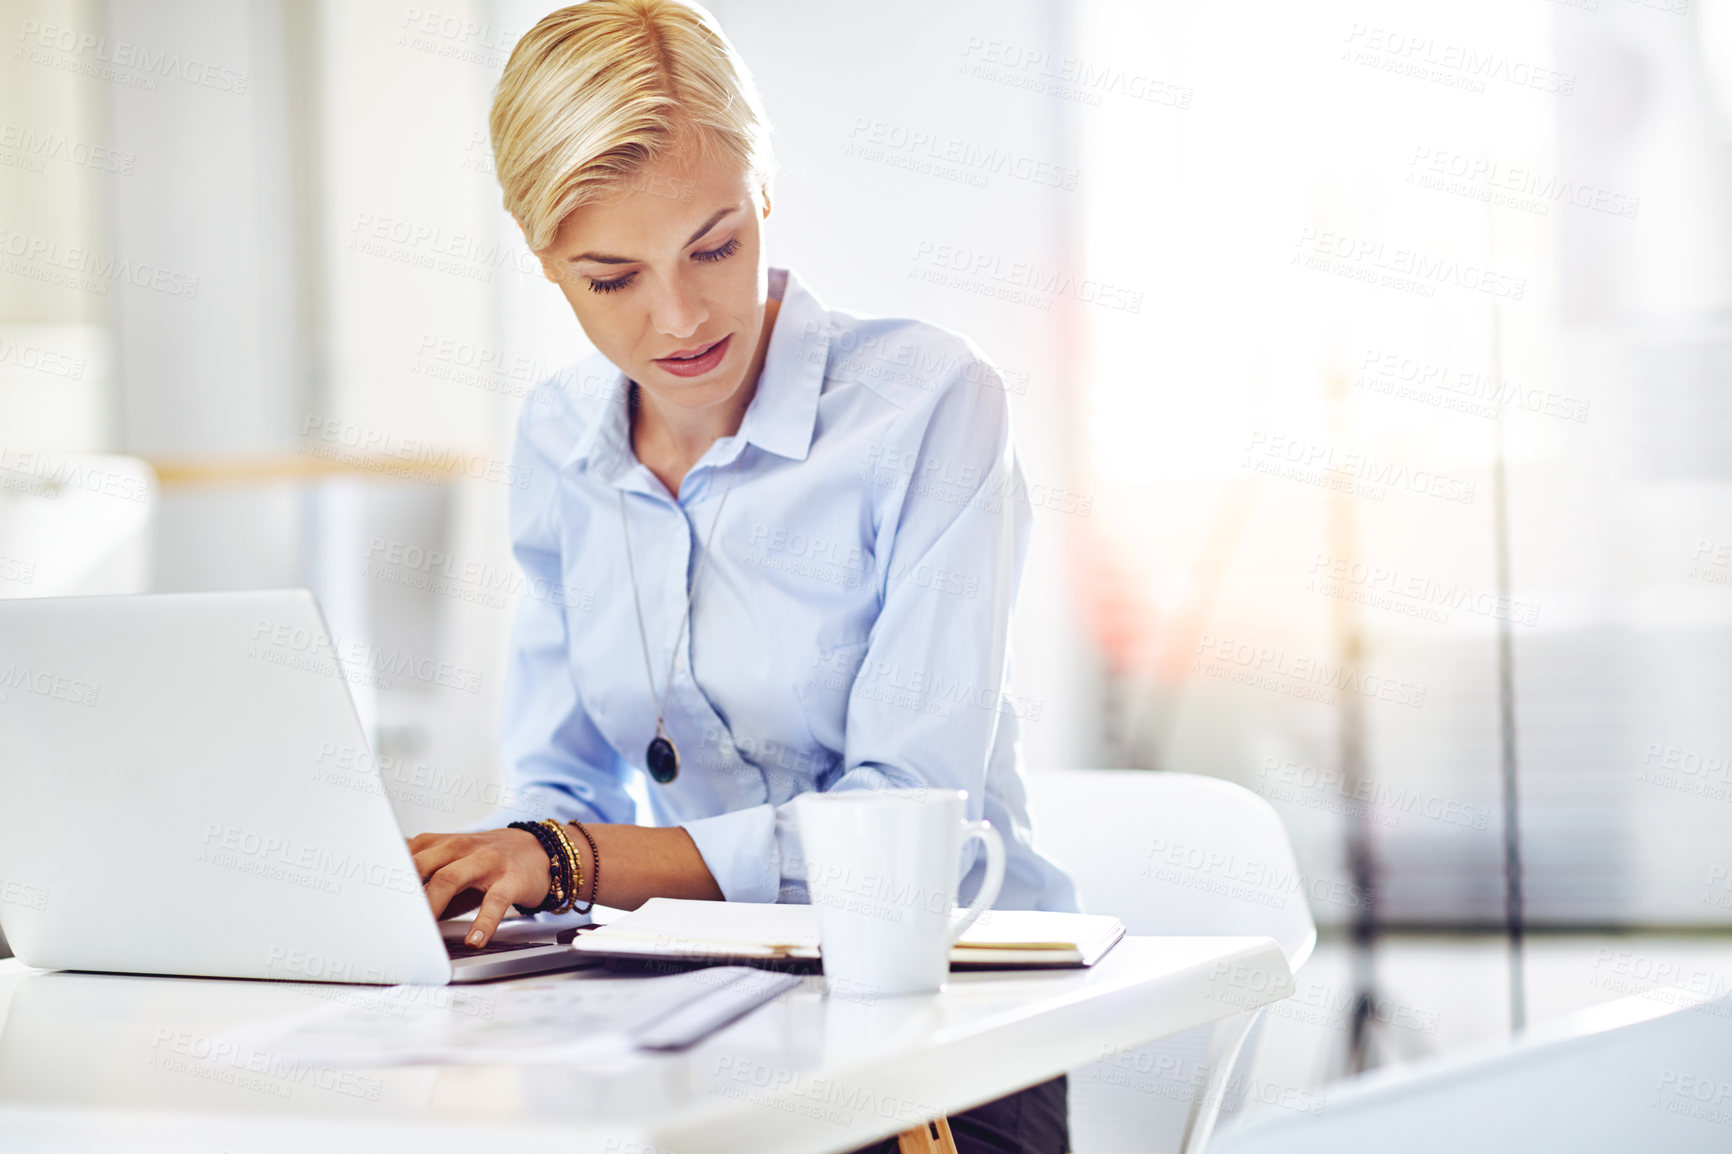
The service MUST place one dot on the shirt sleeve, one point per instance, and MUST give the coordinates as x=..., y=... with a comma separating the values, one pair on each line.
x=930, y=684
x=557, y=764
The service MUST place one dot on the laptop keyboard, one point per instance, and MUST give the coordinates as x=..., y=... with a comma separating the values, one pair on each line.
x=459, y=950
x=456, y=949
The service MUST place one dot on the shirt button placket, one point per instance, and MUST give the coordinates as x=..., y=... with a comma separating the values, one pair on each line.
x=718, y=754
x=679, y=574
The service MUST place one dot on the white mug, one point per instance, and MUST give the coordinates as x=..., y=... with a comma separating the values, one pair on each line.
x=882, y=869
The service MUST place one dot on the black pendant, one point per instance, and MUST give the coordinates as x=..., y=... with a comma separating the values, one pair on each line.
x=662, y=759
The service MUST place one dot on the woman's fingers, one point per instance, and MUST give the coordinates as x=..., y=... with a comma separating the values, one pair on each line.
x=508, y=866
x=487, y=918
x=450, y=880
x=437, y=850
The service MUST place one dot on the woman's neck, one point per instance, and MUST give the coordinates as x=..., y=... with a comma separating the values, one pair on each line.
x=669, y=440
x=669, y=444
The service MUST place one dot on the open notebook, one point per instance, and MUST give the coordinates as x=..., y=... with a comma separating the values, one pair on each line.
x=675, y=928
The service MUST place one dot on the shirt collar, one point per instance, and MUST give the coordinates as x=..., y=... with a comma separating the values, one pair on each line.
x=783, y=414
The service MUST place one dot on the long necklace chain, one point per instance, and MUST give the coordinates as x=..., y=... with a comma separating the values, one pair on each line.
x=691, y=591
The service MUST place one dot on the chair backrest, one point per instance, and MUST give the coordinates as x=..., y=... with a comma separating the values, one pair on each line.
x=1629, y=1075
x=75, y=524
x=1169, y=853
x=1174, y=853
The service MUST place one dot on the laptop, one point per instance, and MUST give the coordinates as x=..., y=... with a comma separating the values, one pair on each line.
x=185, y=789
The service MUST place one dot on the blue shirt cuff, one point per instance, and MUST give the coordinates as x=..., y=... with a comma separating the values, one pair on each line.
x=742, y=851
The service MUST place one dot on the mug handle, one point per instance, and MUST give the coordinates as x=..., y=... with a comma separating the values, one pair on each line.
x=994, y=874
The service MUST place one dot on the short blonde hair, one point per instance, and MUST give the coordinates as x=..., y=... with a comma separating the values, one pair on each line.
x=595, y=92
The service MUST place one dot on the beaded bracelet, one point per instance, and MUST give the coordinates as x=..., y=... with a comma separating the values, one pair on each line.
x=574, y=866
x=559, y=889
x=594, y=868
x=559, y=876
x=561, y=853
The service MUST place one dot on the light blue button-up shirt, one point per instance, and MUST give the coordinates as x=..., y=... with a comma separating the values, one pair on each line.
x=849, y=630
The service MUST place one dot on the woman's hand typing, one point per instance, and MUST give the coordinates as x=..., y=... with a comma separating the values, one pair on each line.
x=502, y=868
x=496, y=869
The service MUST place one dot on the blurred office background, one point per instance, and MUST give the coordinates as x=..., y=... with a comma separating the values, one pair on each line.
x=1373, y=363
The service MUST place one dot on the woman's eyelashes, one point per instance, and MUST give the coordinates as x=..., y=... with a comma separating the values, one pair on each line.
x=723, y=253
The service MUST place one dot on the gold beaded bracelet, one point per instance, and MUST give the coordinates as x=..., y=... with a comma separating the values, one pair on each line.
x=573, y=864
x=558, y=866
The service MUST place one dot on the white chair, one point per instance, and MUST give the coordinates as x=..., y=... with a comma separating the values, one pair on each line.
x=1169, y=853
x=75, y=524
x=1634, y=1074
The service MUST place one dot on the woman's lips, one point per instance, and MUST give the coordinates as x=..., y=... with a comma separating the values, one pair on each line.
x=697, y=366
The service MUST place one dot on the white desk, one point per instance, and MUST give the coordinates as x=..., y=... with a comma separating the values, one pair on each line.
x=88, y=1062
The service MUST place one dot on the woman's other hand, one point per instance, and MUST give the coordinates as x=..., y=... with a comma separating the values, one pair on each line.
x=500, y=868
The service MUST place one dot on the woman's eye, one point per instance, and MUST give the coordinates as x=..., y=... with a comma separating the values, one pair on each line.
x=611, y=286
x=723, y=253
x=617, y=283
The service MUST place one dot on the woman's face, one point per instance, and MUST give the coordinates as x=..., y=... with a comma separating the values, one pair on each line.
x=670, y=267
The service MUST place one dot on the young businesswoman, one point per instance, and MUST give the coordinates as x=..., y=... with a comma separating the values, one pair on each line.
x=772, y=547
